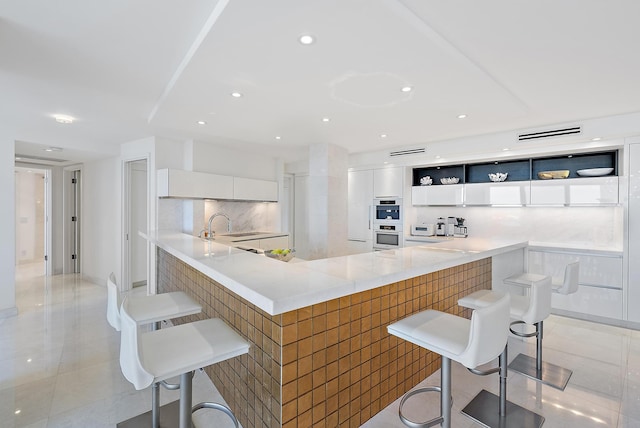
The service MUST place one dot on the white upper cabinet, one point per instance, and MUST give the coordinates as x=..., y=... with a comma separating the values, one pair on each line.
x=388, y=182
x=176, y=183
x=507, y=193
x=576, y=191
x=445, y=195
x=248, y=189
x=360, y=195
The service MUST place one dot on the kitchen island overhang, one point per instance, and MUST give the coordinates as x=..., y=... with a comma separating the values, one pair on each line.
x=322, y=356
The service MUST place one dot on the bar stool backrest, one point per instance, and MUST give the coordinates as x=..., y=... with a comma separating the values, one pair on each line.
x=488, y=333
x=130, y=364
x=539, y=302
x=570, y=281
x=113, y=302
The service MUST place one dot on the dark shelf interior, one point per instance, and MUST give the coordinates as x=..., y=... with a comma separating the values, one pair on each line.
x=438, y=172
x=518, y=170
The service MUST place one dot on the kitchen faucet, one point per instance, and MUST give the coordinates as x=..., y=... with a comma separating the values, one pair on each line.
x=211, y=232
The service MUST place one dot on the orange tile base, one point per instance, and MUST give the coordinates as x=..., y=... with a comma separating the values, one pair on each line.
x=328, y=365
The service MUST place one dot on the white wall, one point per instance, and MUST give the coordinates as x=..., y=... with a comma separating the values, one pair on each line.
x=7, y=229
x=101, y=219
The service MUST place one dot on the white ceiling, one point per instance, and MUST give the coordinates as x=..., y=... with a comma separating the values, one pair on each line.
x=130, y=69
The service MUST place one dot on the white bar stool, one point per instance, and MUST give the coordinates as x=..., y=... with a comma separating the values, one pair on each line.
x=568, y=284
x=470, y=342
x=151, y=309
x=154, y=356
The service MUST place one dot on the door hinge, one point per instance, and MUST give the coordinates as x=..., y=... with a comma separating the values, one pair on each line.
x=46, y=258
x=74, y=218
x=74, y=181
x=73, y=257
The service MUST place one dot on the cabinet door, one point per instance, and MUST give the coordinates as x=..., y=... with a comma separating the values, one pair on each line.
x=445, y=195
x=515, y=193
x=600, y=278
x=359, y=209
x=248, y=189
x=388, y=182
x=193, y=185
x=633, y=314
x=274, y=243
x=575, y=191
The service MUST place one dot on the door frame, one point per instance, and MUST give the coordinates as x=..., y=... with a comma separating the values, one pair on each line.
x=71, y=197
x=125, y=284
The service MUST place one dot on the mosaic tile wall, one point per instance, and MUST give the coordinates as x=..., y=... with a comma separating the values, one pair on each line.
x=328, y=365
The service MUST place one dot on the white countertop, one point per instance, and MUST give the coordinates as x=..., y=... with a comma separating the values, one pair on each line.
x=277, y=287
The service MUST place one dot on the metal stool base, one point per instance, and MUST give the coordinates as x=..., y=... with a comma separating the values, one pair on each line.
x=552, y=375
x=485, y=410
x=169, y=417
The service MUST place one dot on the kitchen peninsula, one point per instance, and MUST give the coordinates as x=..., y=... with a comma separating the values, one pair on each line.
x=320, y=353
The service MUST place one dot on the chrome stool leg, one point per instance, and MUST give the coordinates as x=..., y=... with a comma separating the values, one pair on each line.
x=445, y=400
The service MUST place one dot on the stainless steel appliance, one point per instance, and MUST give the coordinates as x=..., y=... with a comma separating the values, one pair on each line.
x=423, y=229
x=387, y=211
x=387, y=237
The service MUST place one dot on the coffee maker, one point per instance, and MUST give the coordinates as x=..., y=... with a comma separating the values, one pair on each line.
x=460, y=230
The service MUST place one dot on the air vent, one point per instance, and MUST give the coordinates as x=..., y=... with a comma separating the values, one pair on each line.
x=407, y=152
x=550, y=133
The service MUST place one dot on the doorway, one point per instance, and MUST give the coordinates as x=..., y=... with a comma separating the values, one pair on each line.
x=32, y=219
x=72, y=196
x=135, y=269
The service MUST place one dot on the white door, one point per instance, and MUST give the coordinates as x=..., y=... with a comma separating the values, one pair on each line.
x=135, y=266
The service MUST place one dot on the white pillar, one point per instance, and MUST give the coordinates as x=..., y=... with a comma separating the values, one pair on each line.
x=7, y=229
x=327, y=198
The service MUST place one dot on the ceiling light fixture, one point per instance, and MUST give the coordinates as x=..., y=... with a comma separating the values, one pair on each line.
x=406, y=89
x=278, y=137
x=325, y=119
x=61, y=118
x=236, y=94
x=201, y=122
x=383, y=135
x=53, y=149
x=462, y=116
x=506, y=149
x=596, y=139
x=306, y=39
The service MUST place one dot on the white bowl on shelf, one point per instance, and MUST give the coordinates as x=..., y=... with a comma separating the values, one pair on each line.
x=426, y=181
x=594, y=172
x=449, y=180
x=498, y=176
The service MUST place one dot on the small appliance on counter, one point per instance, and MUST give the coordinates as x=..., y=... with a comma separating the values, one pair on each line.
x=441, y=227
x=423, y=229
x=460, y=230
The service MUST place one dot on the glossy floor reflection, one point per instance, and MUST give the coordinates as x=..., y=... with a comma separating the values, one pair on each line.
x=59, y=362
x=59, y=368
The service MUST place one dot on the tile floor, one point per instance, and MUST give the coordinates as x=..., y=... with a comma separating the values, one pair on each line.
x=59, y=368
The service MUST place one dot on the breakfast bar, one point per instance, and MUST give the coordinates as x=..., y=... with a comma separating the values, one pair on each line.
x=320, y=354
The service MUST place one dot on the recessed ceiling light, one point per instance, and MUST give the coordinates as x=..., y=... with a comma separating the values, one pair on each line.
x=278, y=137
x=383, y=135
x=201, y=122
x=17, y=158
x=325, y=119
x=406, y=89
x=438, y=157
x=596, y=139
x=53, y=149
x=506, y=149
x=462, y=116
x=236, y=94
x=306, y=39
x=61, y=118
x=386, y=163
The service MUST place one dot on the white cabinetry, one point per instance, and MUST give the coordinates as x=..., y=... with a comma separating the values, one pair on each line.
x=388, y=182
x=248, y=189
x=450, y=194
x=360, y=195
x=601, y=280
x=633, y=302
x=575, y=191
x=177, y=183
x=506, y=193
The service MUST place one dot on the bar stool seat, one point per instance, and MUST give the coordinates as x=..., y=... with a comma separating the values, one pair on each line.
x=154, y=356
x=150, y=309
x=470, y=342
